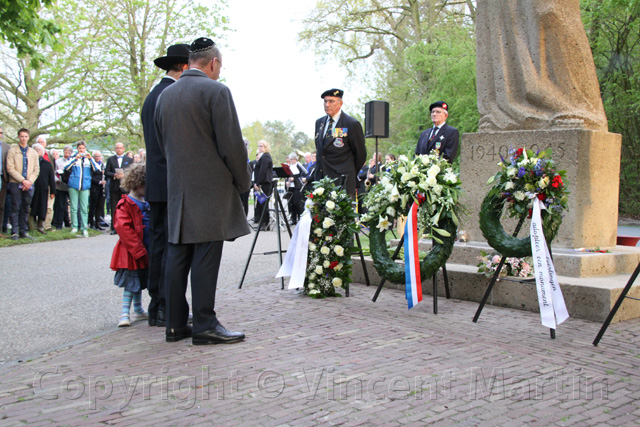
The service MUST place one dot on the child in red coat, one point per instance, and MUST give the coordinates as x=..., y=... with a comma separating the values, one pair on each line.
x=130, y=259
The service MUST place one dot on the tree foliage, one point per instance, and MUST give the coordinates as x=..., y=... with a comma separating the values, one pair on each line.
x=613, y=28
x=22, y=27
x=412, y=52
x=282, y=137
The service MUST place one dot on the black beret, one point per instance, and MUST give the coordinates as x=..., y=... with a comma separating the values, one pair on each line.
x=202, y=44
x=332, y=92
x=439, y=104
x=176, y=54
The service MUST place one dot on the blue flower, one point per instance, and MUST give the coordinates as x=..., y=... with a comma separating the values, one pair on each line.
x=522, y=172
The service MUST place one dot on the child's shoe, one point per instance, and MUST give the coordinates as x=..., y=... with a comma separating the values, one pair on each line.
x=140, y=316
x=124, y=321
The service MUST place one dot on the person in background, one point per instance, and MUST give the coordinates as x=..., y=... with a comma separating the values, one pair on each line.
x=294, y=186
x=97, y=194
x=81, y=166
x=263, y=181
x=441, y=138
x=114, y=173
x=23, y=166
x=61, y=205
x=4, y=179
x=44, y=189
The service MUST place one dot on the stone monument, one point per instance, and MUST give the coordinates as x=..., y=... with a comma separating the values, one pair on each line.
x=537, y=88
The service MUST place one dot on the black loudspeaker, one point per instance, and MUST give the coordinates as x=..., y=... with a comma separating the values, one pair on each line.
x=376, y=119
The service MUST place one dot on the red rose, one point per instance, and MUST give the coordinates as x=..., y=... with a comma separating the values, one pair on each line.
x=530, y=213
x=333, y=264
x=557, y=181
x=310, y=195
x=519, y=152
x=542, y=196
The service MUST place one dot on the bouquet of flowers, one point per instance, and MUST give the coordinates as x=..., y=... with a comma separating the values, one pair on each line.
x=525, y=175
x=334, y=222
x=519, y=267
x=428, y=179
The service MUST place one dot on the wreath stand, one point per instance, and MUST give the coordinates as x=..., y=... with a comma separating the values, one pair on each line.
x=494, y=278
x=617, y=305
x=435, y=280
x=279, y=212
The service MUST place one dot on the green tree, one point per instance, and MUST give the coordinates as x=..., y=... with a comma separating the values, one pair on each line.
x=23, y=28
x=411, y=52
x=613, y=28
x=57, y=98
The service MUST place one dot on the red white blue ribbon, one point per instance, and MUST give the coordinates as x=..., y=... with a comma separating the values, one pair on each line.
x=413, y=282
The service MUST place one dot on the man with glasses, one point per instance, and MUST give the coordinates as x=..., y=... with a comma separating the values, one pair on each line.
x=441, y=137
x=200, y=136
x=4, y=176
x=339, y=143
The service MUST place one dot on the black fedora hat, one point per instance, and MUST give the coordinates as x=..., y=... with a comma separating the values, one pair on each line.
x=176, y=54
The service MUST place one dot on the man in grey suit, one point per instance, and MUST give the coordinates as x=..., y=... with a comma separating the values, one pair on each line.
x=4, y=175
x=199, y=134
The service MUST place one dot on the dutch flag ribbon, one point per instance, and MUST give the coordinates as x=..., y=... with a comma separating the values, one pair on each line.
x=413, y=282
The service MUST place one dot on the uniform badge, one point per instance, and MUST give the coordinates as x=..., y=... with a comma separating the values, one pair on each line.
x=338, y=143
x=438, y=144
x=340, y=132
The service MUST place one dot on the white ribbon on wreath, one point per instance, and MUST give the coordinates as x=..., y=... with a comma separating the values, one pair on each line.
x=552, y=307
x=295, y=262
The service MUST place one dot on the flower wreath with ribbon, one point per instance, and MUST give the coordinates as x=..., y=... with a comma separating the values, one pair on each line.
x=523, y=176
x=333, y=224
x=430, y=183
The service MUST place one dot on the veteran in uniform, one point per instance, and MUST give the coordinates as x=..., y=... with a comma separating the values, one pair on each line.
x=339, y=143
x=441, y=137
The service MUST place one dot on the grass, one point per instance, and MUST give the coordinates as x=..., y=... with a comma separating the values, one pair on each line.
x=51, y=236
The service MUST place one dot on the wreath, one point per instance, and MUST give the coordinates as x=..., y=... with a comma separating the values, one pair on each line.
x=523, y=176
x=428, y=180
x=333, y=224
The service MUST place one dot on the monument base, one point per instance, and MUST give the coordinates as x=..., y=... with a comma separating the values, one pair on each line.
x=591, y=159
x=586, y=298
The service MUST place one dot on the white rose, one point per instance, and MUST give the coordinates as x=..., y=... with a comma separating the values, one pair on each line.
x=318, y=232
x=318, y=269
x=339, y=250
x=325, y=250
x=326, y=264
x=337, y=282
x=437, y=189
x=433, y=170
x=519, y=195
x=312, y=247
x=411, y=184
x=509, y=186
x=406, y=176
x=402, y=169
x=334, y=195
x=330, y=205
x=425, y=160
x=451, y=177
x=338, y=267
x=511, y=172
x=328, y=238
x=328, y=222
x=391, y=211
x=403, y=158
x=431, y=181
x=318, y=191
x=312, y=276
x=312, y=285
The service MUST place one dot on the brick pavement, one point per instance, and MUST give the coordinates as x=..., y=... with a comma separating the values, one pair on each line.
x=345, y=361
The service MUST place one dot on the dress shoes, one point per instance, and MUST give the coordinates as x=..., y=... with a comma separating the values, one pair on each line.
x=217, y=335
x=177, y=334
x=161, y=319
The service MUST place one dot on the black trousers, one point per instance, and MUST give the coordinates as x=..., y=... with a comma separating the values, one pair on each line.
x=61, y=209
x=158, y=234
x=96, y=205
x=115, y=198
x=203, y=261
x=20, y=204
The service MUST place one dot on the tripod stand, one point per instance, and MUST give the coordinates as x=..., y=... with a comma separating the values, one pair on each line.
x=279, y=212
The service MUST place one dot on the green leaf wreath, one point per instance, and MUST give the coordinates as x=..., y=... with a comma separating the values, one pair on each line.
x=523, y=176
x=428, y=179
x=333, y=225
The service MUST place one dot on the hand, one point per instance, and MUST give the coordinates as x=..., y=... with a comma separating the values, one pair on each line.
x=119, y=175
x=26, y=185
x=103, y=182
x=255, y=187
x=78, y=156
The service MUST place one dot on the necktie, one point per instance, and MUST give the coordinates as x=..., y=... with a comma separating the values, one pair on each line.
x=434, y=131
x=329, y=131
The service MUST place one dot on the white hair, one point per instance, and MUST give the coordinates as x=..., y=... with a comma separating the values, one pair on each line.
x=37, y=146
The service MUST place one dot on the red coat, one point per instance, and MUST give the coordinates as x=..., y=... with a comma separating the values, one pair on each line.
x=129, y=252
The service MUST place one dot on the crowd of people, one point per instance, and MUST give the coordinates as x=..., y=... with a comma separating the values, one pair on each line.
x=173, y=210
x=43, y=190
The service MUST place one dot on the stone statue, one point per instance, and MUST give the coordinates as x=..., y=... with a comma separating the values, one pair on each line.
x=534, y=66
